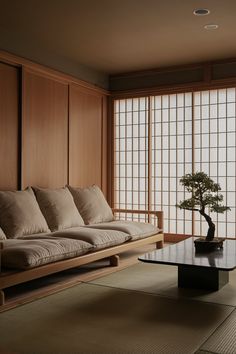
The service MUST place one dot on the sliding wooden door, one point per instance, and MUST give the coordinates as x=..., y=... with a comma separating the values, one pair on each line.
x=9, y=127
x=87, y=138
x=45, y=131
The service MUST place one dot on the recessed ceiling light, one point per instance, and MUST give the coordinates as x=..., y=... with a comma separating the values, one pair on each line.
x=211, y=27
x=201, y=12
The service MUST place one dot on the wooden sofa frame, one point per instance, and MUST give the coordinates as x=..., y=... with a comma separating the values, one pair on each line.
x=9, y=278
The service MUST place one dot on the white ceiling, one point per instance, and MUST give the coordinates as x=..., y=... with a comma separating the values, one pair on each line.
x=114, y=36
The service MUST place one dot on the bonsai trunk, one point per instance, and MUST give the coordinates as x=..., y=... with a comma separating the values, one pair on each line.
x=211, y=230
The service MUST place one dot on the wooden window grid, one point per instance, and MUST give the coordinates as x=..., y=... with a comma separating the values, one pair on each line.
x=160, y=138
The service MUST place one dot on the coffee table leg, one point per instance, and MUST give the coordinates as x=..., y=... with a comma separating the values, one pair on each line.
x=202, y=278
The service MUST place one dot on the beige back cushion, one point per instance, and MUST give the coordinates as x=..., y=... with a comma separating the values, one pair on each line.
x=58, y=208
x=20, y=214
x=2, y=235
x=92, y=204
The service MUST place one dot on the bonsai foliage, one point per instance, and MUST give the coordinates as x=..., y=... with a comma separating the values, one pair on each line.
x=204, y=195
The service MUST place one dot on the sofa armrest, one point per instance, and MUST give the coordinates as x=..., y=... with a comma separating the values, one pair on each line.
x=157, y=214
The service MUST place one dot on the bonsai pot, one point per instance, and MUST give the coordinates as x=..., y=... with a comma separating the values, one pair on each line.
x=202, y=245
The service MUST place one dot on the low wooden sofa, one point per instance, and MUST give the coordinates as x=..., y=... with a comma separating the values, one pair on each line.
x=90, y=235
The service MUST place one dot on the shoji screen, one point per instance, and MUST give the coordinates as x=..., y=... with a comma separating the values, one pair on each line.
x=171, y=158
x=215, y=151
x=158, y=139
x=131, y=155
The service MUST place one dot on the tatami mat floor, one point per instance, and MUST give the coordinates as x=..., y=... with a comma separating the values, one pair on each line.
x=136, y=309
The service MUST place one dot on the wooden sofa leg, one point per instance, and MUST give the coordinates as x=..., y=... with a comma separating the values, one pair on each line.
x=160, y=244
x=114, y=260
x=2, y=298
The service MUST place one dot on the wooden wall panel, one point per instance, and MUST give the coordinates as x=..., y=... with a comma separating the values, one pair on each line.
x=44, y=131
x=86, y=130
x=104, y=145
x=9, y=126
x=34, y=121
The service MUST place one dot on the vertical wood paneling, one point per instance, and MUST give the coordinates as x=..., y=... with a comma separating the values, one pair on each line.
x=34, y=135
x=110, y=152
x=44, y=131
x=86, y=129
x=104, y=145
x=9, y=125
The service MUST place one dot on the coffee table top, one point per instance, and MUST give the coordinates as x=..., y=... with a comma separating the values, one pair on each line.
x=183, y=253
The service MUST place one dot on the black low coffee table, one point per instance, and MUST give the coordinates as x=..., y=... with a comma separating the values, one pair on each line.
x=208, y=271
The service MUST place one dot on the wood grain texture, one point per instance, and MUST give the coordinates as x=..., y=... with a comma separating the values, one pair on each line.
x=105, y=146
x=44, y=132
x=85, y=137
x=15, y=60
x=9, y=125
x=110, y=152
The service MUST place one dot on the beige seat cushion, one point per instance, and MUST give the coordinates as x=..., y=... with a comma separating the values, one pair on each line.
x=137, y=230
x=2, y=235
x=20, y=214
x=98, y=238
x=36, y=251
x=92, y=204
x=58, y=208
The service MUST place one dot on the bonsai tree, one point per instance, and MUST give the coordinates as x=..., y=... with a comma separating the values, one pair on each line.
x=204, y=194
